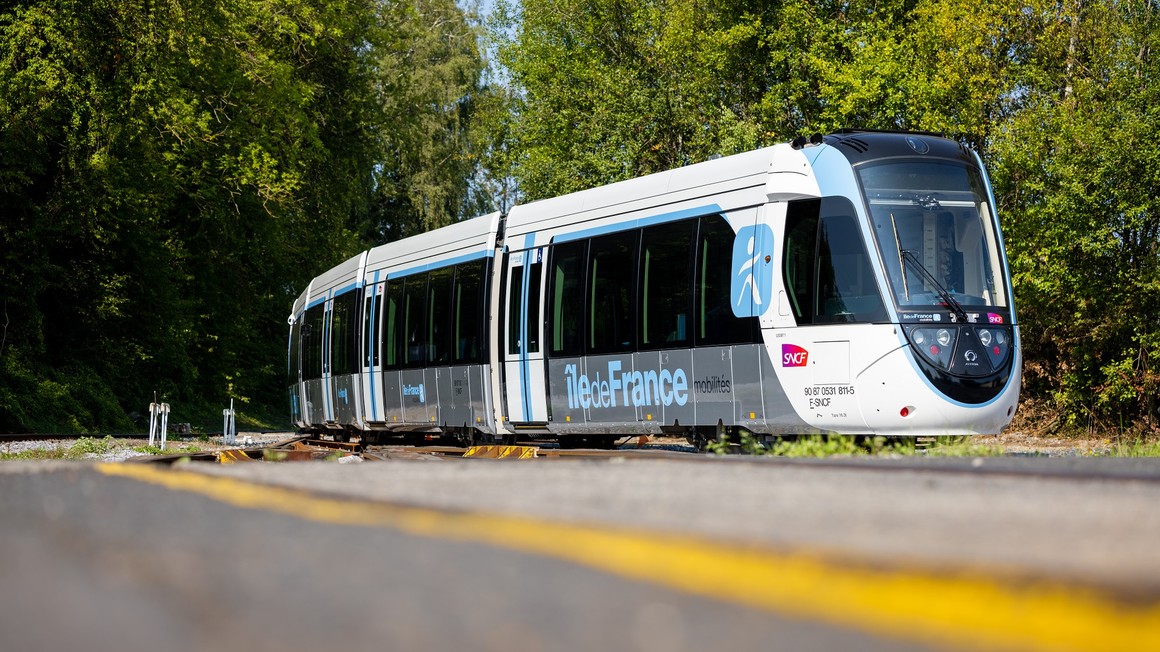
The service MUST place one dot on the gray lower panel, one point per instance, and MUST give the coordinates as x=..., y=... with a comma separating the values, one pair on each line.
x=642, y=392
x=392, y=398
x=346, y=393
x=454, y=396
x=442, y=396
x=439, y=396
x=315, y=410
x=477, y=406
x=682, y=409
x=295, y=404
x=712, y=385
x=601, y=389
x=747, y=399
x=431, y=383
x=563, y=404
x=414, y=388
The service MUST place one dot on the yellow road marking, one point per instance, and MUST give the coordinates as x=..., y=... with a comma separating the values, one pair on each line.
x=970, y=612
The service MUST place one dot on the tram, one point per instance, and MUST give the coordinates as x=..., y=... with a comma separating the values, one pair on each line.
x=854, y=283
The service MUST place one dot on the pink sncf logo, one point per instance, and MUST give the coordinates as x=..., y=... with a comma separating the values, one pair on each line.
x=793, y=355
x=992, y=318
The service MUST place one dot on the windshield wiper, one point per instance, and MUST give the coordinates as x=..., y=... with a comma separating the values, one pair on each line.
x=944, y=294
x=901, y=261
x=925, y=202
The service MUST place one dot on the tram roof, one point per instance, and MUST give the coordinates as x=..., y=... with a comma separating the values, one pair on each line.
x=715, y=177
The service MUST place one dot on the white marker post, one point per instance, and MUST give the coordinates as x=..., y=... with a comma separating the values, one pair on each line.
x=152, y=420
x=158, y=421
x=164, y=423
x=229, y=425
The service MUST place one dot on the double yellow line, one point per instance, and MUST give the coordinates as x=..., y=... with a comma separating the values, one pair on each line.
x=968, y=611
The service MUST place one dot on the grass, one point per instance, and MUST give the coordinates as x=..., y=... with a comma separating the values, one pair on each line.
x=962, y=447
x=1135, y=448
x=88, y=447
x=79, y=450
x=817, y=446
x=820, y=446
x=34, y=454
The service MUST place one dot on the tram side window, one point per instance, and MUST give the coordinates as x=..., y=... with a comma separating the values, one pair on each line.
x=413, y=320
x=665, y=265
x=312, y=338
x=344, y=334
x=372, y=326
x=612, y=293
x=515, y=288
x=801, y=233
x=294, y=359
x=439, y=316
x=469, y=305
x=715, y=322
x=535, y=271
x=566, y=285
x=393, y=340
x=827, y=270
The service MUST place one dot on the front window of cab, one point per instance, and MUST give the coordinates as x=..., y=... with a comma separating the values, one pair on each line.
x=936, y=233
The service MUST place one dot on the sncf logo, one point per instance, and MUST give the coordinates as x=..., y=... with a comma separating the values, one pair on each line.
x=992, y=318
x=793, y=355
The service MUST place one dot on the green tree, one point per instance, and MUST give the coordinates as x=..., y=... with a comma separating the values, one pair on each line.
x=427, y=68
x=1078, y=173
x=1060, y=99
x=612, y=89
x=167, y=168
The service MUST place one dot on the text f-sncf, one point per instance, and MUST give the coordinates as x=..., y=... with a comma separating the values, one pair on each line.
x=793, y=355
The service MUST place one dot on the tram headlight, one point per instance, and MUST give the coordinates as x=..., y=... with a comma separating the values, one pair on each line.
x=996, y=342
x=943, y=337
x=936, y=344
x=985, y=337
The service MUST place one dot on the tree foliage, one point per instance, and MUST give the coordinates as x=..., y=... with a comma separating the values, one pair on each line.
x=1079, y=174
x=172, y=174
x=1059, y=97
x=428, y=77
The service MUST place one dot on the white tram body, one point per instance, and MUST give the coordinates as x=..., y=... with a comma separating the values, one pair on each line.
x=856, y=284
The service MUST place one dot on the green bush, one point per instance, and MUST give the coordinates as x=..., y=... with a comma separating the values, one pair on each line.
x=73, y=399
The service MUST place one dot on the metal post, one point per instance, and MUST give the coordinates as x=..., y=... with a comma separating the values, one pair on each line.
x=152, y=421
x=229, y=425
x=164, y=410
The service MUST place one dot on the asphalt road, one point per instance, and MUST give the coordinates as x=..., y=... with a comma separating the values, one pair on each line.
x=574, y=555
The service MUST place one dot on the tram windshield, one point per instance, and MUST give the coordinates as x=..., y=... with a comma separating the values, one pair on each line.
x=936, y=233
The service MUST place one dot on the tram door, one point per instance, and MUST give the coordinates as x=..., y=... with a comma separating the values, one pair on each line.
x=372, y=384
x=523, y=355
x=321, y=399
x=294, y=360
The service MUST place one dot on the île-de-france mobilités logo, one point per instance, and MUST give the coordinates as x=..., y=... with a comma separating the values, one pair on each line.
x=752, y=282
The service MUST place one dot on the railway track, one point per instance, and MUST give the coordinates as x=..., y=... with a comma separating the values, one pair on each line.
x=5, y=438
x=303, y=448
x=67, y=436
x=299, y=449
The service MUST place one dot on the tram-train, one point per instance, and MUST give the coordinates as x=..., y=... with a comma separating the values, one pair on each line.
x=854, y=283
